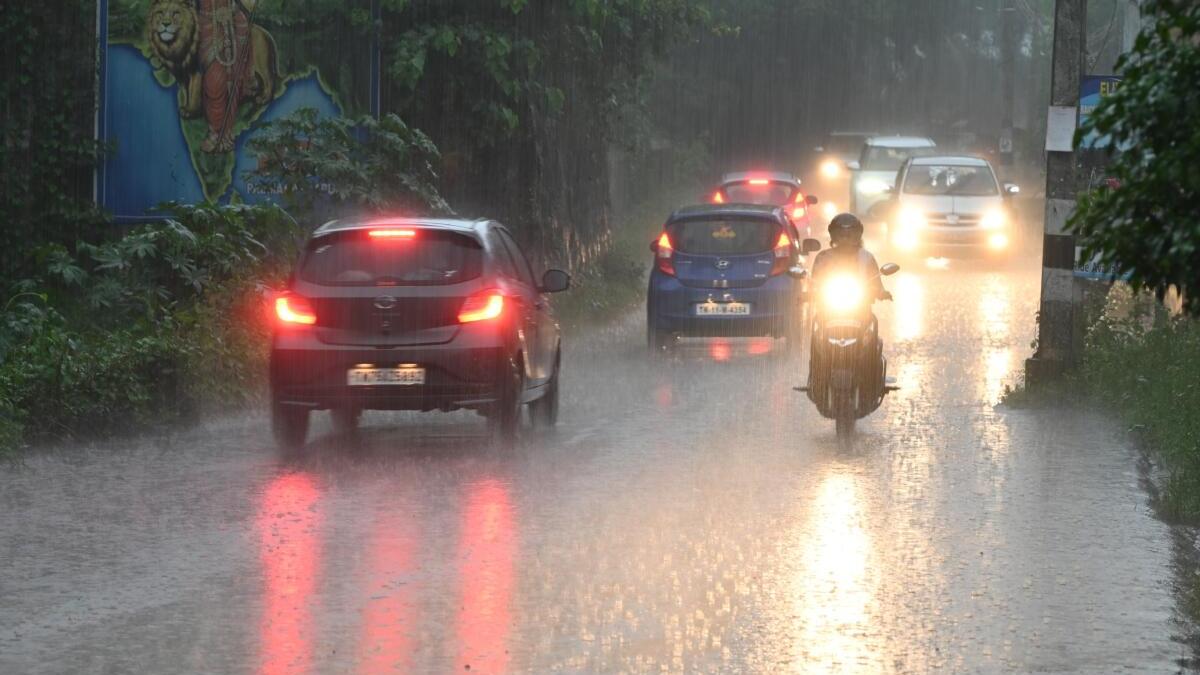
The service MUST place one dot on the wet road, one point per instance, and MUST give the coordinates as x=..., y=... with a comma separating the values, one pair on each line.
x=694, y=515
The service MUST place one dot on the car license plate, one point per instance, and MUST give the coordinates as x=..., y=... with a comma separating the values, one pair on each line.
x=360, y=377
x=723, y=309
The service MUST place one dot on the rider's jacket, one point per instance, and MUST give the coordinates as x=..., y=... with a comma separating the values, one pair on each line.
x=855, y=259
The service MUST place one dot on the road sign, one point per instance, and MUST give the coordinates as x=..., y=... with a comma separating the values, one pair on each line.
x=1092, y=90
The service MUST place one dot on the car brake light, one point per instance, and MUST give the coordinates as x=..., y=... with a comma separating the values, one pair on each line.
x=483, y=306
x=718, y=198
x=295, y=309
x=783, y=255
x=392, y=233
x=759, y=181
x=663, y=257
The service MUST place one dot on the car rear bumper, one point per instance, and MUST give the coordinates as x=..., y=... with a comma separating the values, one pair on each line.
x=962, y=241
x=305, y=372
x=773, y=308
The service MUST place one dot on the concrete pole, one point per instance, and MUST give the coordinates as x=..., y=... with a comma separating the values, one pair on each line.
x=1057, y=344
x=1008, y=78
x=1132, y=24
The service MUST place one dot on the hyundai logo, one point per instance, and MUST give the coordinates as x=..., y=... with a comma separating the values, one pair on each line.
x=385, y=302
x=722, y=264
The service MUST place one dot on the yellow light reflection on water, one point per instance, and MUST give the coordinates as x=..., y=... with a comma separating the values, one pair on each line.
x=834, y=587
x=998, y=365
x=909, y=313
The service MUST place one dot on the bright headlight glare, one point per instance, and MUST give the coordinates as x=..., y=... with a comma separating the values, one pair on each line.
x=842, y=293
x=992, y=220
x=912, y=219
x=872, y=186
x=830, y=169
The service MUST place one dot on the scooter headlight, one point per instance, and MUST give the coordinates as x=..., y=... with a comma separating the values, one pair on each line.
x=843, y=293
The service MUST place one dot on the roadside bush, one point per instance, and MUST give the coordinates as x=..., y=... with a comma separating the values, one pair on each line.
x=1147, y=368
x=145, y=330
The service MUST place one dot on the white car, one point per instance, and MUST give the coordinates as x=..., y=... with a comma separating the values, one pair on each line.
x=950, y=204
x=875, y=171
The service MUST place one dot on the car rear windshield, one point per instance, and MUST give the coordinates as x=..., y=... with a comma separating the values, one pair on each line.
x=427, y=258
x=960, y=181
x=724, y=237
x=883, y=158
x=773, y=193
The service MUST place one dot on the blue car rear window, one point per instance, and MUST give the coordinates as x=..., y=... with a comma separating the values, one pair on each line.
x=724, y=236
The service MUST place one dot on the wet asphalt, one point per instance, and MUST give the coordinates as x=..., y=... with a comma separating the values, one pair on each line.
x=690, y=515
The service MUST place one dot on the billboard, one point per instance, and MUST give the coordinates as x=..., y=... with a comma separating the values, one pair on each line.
x=1092, y=90
x=186, y=83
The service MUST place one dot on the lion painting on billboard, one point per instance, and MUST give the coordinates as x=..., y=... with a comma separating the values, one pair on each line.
x=220, y=58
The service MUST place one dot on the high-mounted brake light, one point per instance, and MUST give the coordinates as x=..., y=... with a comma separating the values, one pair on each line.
x=759, y=181
x=783, y=255
x=295, y=310
x=483, y=306
x=663, y=256
x=392, y=233
x=718, y=198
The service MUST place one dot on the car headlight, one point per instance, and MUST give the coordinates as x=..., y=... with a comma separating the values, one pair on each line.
x=873, y=186
x=830, y=168
x=842, y=293
x=992, y=220
x=911, y=219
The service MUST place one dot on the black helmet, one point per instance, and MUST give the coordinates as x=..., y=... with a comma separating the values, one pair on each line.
x=845, y=228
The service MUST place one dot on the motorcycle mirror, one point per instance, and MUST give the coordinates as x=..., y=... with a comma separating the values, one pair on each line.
x=889, y=269
x=810, y=246
x=797, y=272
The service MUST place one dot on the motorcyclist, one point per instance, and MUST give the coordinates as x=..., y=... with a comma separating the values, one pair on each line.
x=846, y=251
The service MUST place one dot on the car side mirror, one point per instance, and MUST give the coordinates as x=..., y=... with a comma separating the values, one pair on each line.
x=1011, y=189
x=654, y=246
x=555, y=281
x=810, y=246
x=811, y=200
x=889, y=269
x=853, y=165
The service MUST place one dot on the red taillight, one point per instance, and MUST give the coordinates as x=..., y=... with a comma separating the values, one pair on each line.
x=392, y=234
x=783, y=255
x=759, y=181
x=482, y=307
x=294, y=309
x=663, y=257
x=718, y=198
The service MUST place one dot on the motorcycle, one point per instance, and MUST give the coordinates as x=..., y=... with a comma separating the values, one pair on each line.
x=847, y=377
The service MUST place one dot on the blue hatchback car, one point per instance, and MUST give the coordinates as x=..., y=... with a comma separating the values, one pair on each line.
x=725, y=270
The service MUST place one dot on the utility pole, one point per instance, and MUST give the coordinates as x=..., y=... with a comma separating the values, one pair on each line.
x=1057, y=345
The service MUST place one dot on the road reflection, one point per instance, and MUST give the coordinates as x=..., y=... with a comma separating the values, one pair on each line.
x=388, y=630
x=288, y=524
x=832, y=587
x=909, y=311
x=486, y=554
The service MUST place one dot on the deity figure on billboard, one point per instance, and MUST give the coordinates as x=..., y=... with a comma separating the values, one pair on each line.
x=220, y=58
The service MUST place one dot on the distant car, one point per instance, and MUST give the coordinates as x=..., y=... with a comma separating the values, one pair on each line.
x=829, y=171
x=875, y=170
x=724, y=270
x=951, y=204
x=414, y=314
x=774, y=188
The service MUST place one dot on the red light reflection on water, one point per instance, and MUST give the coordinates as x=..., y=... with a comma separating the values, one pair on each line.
x=387, y=638
x=486, y=552
x=760, y=346
x=289, y=547
x=720, y=350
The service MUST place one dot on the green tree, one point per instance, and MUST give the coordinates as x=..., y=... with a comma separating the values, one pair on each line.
x=1148, y=223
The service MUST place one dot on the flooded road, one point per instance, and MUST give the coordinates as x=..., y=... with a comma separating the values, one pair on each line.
x=690, y=515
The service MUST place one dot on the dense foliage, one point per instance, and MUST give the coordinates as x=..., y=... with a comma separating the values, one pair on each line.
x=47, y=151
x=336, y=163
x=1147, y=225
x=142, y=330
